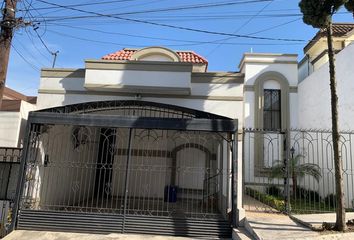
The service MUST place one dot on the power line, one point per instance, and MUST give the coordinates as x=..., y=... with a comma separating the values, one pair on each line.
x=42, y=41
x=34, y=45
x=94, y=41
x=192, y=43
x=180, y=18
x=24, y=59
x=28, y=51
x=274, y=27
x=87, y=4
x=133, y=5
x=54, y=54
x=177, y=27
x=110, y=8
x=166, y=45
x=242, y=26
x=195, y=6
x=176, y=17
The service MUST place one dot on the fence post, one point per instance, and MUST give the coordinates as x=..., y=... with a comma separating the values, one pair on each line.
x=127, y=173
x=237, y=183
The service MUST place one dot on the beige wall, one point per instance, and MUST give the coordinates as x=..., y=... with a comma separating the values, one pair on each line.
x=13, y=124
x=9, y=128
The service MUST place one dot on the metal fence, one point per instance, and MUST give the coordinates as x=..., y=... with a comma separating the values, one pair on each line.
x=9, y=170
x=293, y=171
x=4, y=217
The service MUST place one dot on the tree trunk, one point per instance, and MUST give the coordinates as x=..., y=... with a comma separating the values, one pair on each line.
x=294, y=186
x=340, y=217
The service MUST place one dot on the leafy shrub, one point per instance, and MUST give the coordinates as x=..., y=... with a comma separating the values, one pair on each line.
x=272, y=201
x=307, y=194
x=330, y=200
x=274, y=191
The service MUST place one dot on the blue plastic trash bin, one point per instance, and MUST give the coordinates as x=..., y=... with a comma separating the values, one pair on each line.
x=170, y=193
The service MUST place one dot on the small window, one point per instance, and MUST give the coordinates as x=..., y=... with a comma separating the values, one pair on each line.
x=272, y=109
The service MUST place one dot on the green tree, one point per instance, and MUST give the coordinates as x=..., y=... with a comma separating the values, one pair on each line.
x=318, y=14
x=296, y=170
x=350, y=6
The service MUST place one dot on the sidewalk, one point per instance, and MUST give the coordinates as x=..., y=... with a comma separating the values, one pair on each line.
x=273, y=226
x=315, y=221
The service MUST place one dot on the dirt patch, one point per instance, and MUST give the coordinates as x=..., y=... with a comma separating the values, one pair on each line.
x=328, y=228
x=350, y=225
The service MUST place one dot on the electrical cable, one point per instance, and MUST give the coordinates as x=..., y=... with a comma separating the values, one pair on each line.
x=192, y=43
x=25, y=60
x=177, y=27
x=240, y=28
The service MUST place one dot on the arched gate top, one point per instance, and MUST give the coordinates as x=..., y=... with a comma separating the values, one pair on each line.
x=134, y=108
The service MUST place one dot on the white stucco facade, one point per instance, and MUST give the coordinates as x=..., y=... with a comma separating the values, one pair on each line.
x=218, y=93
x=314, y=95
x=255, y=65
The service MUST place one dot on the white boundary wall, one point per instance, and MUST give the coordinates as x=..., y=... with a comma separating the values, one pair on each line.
x=315, y=99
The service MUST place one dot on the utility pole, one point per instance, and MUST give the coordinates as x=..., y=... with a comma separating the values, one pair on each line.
x=7, y=23
x=55, y=54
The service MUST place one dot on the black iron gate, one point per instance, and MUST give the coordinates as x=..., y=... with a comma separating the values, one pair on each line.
x=167, y=174
x=9, y=170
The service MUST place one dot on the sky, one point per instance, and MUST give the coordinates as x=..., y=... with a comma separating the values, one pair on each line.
x=90, y=29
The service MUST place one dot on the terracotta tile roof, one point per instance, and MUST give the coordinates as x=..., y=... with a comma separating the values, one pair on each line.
x=10, y=94
x=11, y=105
x=186, y=56
x=339, y=30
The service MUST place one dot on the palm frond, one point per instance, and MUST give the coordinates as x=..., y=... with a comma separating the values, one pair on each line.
x=296, y=167
x=310, y=169
x=277, y=170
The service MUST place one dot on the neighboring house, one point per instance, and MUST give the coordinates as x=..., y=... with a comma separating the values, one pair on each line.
x=13, y=115
x=316, y=50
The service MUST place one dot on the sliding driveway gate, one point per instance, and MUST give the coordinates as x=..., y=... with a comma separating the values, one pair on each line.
x=128, y=167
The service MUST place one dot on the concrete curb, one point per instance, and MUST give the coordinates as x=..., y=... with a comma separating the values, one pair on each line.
x=240, y=233
x=245, y=232
x=306, y=224
x=250, y=230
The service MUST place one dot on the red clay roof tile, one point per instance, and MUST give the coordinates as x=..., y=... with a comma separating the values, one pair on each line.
x=186, y=56
x=339, y=30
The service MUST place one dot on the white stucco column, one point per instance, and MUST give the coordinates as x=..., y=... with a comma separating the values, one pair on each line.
x=238, y=180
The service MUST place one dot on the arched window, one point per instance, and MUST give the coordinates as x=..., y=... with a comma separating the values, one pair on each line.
x=272, y=105
x=272, y=102
x=271, y=114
